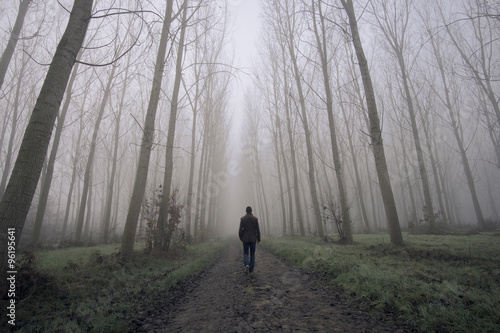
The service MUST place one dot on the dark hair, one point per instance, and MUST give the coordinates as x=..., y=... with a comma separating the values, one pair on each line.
x=249, y=209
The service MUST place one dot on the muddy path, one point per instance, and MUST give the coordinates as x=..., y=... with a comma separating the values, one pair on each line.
x=276, y=298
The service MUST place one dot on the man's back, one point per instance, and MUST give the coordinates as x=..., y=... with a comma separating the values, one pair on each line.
x=249, y=228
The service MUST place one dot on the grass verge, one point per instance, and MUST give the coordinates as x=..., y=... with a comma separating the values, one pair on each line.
x=435, y=283
x=89, y=289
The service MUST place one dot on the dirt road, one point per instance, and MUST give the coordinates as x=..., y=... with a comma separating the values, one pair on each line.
x=276, y=298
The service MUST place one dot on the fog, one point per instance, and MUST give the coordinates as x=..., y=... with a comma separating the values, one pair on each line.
x=252, y=91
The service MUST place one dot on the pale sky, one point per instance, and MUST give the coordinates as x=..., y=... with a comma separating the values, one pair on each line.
x=245, y=14
x=246, y=29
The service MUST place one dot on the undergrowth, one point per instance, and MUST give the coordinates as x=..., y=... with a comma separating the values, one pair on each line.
x=435, y=283
x=93, y=290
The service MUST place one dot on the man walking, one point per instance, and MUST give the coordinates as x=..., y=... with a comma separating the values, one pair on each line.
x=249, y=233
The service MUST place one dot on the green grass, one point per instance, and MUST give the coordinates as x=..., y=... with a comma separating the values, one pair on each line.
x=90, y=289
x=56, y=260
x=436, y=283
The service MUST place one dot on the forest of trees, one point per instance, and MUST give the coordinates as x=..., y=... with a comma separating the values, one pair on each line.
x=362, y=116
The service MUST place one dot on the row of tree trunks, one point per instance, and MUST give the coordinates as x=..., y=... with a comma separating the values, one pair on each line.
x=375, y=131
x=47, y=181
x=22, y=184
x=139, y=189
x=339, y=170
x=169, y=153
x=15, y=117
x=14, y=37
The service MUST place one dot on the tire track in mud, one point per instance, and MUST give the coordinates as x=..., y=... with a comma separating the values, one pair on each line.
x=278, y=297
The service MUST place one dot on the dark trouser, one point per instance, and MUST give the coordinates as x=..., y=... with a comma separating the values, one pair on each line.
x=246, y=246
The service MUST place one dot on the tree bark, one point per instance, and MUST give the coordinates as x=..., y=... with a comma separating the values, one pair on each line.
x=47, y=181
x=458, y=137
x=14, y=36
x=76, y=159
x=111, y=186
x=127, y=245
x=15, y=118
x=169, y=154
x=482, y=74
x=309, y=149
x=396, y=40
x=375, y=131
x=20, y=190
x=355, y=166
x=339, y=171
x=90, y=159
x=192, y=160
x=296, y=189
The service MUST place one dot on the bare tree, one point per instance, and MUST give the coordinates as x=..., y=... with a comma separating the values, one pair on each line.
x=15, y=118
x=479, y=55
x=321, y=44
x=112, y=177
x=19, y=193
x=169, y=154
x=74, y=174
x=293, y=157
x=393, y=20
x=350, y=139
x=14, y=37
x=45, y=185
x=453, y=115
x=375, y=131
x=287, y=23
x=127, y=245
x=90, y=158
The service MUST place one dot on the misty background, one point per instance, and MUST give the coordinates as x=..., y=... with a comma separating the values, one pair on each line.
x=252, y=124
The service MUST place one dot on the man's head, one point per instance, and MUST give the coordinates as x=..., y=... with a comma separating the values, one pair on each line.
x=249, y=209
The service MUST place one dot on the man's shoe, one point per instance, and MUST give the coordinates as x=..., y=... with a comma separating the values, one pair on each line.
x=247, y=268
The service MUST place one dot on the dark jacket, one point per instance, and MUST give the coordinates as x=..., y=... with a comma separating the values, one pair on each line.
x=249, y=228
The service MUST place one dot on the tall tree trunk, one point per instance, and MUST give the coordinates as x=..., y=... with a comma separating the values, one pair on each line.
x=458, y=137
x=494, y=135
x=141, y=176
x=491, y=197
x=276, y=137
x=260, y=184
x=396, y=39
x=90, y=160
x=339, y=171
x=375, y=131
x=88, y=208
x=14, y=129
x=413, y=213
x=450, y=213
x=20, y=190
x=74, y=173
x=111, y=186
x=47, y=181
x=14, y=37
x=192, y=161
x=309, y=149
x=482, y=74
x=358, y=94
x=116, y=205
x=169, y=154
x=435, y=174
x=280, y=179
x=199, y=189
x=429, y=207
x=287, y=178
x=205, y=190
x=296, y=189
x=359, y=191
